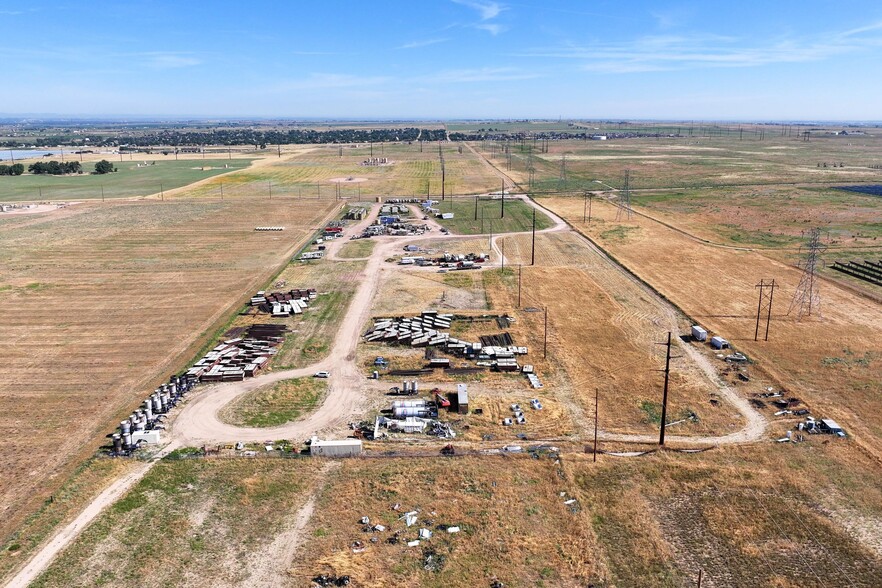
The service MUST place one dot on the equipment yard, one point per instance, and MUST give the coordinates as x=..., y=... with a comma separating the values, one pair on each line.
x=594, y=404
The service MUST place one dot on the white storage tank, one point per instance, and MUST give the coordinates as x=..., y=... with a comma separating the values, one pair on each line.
x=698, y=333
x=410, y=411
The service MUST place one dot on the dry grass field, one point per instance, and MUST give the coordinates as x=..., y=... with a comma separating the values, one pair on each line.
x=510, y=512
x=684, y=163
x=307, y=172
x=100, y=304
x=104, y=301
x=768, y=515
x=195, y=523
x=832, y=360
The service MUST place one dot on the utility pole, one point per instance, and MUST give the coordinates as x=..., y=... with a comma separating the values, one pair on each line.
x=502, y=196
x=767, y=299
x=533, y=254
x=664, y=412
x=520, y=268
x=586, y=209
x=102, y=192
x=545, y=340
x=161, y=193
x=476, y=207
x=222, y=190
x=503, y=256
x=596, y=398
x=280, y=150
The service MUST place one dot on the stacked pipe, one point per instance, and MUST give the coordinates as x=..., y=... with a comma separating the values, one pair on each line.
x=151, y=412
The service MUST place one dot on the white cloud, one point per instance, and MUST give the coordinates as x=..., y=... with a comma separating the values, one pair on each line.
x=425, y=43
x=317, y=81
x=164, y=60
x=484, y=74
x=492, y=28
x=671, y=52
x=486, y=10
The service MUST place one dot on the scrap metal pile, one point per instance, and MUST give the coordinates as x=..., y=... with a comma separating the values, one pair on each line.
x=234, y=359
x=282, y=304
x=430, y=329
x=393, y=226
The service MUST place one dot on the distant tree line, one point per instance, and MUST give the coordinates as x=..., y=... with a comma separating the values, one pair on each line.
x=245, y=136
x=16, y=169
x=55, y=168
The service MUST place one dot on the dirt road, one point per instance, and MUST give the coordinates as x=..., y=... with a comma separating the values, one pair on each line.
x=198, y=423
x=63, y=538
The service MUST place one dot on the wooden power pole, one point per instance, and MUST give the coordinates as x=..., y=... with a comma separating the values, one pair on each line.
x=664, y=411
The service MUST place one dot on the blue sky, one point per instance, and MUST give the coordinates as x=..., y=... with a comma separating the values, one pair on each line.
x=734, y=60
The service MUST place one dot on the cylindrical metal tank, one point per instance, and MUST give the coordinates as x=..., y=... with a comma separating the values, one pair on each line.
x=127, y=441
x=125, y=427
x=117, y=443
x=414, y=386
x=410, y=411
x=408, y=403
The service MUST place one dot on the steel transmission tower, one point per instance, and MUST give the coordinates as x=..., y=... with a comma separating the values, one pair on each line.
x=807, y=298
x=625, y=199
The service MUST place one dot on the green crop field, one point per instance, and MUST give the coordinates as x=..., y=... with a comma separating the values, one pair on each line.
x=129, y=182
x=518, y=217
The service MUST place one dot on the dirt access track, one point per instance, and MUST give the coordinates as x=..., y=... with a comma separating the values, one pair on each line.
x=198, y=423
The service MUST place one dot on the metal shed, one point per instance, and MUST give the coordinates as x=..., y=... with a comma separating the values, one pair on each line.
x=335, y=447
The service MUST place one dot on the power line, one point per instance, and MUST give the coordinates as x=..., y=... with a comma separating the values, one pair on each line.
x=807, y=298
x=766, y=295
x=625, y=199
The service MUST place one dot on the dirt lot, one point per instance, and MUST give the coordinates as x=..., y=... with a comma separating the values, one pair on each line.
x=510, y=512
x=101, y=303
x=837, y=375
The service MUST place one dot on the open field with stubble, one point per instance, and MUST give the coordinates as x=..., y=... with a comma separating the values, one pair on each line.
x=689, y=163
x=312, y=172
x=717, y=215
x=101, y=302
x=130, y=181
x=759, y=516
x=831, y=360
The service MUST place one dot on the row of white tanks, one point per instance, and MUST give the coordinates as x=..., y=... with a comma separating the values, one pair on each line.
x=143, y=425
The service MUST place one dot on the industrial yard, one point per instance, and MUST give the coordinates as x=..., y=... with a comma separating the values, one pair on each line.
x=373, y=392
